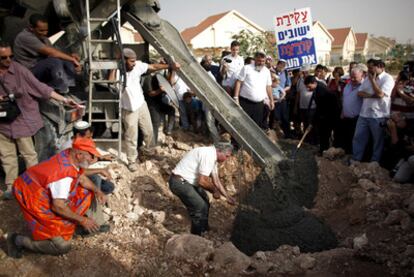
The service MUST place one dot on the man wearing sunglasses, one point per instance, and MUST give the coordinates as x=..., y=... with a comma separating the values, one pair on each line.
x=27, y=90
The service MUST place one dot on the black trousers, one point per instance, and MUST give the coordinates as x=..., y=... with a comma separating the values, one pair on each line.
x=345, y=133
x=158, y=113
x=196, y=201
x=253, y=109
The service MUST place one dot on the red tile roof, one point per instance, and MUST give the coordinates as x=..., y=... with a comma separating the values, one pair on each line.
x=189, y=33
x=339, y=35
x=361, y=39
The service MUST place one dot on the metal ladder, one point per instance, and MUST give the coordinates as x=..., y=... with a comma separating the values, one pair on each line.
x=96, y=67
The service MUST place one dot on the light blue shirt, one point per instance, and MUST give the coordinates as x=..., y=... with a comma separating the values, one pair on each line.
x=351, y=102
x=284, y=82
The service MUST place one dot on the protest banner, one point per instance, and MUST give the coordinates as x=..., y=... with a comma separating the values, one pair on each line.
x=294, y=37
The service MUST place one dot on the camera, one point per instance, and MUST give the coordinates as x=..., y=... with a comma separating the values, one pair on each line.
x=227, y=60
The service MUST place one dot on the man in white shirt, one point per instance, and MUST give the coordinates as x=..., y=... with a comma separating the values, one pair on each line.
x=230, y=67
x=253, y=87
x=196, y=172
x=135, y=111
x=376, y=93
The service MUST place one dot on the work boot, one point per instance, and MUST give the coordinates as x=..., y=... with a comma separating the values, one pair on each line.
x=170, y=126
x=13, y=250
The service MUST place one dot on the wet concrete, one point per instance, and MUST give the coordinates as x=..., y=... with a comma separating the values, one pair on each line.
x=277, y=216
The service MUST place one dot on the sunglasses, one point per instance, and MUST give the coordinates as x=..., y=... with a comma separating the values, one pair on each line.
x=6, y=57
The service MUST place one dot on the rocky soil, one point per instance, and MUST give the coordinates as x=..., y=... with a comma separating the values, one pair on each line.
x=370, y=215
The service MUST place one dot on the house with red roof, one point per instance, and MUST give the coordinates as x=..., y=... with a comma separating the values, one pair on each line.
x=361, y=48
x=343, y=46
x=323, y=42
x=215, y=31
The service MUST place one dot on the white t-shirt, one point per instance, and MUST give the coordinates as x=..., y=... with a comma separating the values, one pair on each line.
x=180, y=87
x=60, y=188
x=199, y=161
x=305, y=96
x=233, y=69
x=133, y=96
x=255, y=83
x=377, y=107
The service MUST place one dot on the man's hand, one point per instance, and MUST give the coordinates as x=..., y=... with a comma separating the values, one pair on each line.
x=236, y=99
x=372, y=76
x=272, y=105
x=89, y=224
x=175, y=66
x=230, y=200
x=105, y=173
x=101, y=197
x=107, y=157
x=391, y=124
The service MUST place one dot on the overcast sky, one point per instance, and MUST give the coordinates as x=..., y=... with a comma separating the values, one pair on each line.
x=392, y=18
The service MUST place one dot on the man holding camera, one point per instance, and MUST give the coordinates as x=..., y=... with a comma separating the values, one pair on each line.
x=376, y=93
x=230, y=67
x=27, y=90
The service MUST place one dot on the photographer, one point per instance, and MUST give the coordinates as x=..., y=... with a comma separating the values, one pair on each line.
x=399, y=149
x=231, y=65
x=27, y=90
x=402, y=96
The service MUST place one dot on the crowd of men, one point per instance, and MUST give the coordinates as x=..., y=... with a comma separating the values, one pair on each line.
x=366, y=113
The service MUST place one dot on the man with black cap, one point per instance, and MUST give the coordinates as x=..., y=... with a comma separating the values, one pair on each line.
x=195, y=173
x=54, y=196
x=135, y=111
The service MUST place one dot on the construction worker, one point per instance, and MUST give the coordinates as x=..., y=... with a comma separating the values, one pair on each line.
x=195, y=173
x=54, y=197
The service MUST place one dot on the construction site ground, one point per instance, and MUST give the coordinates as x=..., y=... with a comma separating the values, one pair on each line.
x=370, y=215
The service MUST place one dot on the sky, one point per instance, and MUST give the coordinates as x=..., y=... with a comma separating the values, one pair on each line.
x=391, y=18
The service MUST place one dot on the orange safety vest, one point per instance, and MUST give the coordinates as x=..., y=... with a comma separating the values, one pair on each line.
x=34, y=197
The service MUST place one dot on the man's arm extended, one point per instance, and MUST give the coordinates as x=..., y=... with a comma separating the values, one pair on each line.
x=59, y=206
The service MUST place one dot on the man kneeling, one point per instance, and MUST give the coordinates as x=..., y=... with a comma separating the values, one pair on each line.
x=54, y=196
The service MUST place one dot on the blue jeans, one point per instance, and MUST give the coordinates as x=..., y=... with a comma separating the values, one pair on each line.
x=105, y=186
x=366, y=127
x=57, y=73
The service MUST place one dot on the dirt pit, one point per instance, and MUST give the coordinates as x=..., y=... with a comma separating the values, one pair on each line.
x=370, y=217
x=272, y=213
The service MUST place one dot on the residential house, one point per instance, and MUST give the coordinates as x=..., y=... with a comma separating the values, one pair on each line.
x=361, y=48
x=216, y=31
x=379, y=47
x=343, y=46
x=323, y=43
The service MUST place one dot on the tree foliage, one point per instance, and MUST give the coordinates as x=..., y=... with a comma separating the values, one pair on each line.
x=250, y=43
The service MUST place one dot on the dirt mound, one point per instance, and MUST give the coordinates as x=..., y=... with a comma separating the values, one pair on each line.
x=370, y=216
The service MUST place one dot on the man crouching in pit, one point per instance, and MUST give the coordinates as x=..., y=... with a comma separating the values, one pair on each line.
x=193, y=175
x=54, y=196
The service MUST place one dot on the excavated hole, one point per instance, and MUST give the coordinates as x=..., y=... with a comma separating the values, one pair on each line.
x=273, y=211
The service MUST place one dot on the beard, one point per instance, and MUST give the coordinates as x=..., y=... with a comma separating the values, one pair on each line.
x=258, y=67
x=84, y=164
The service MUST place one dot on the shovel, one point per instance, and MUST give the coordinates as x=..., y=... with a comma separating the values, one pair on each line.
x=308, y=129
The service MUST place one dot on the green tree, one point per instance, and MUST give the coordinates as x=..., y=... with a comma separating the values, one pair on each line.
x=250, y=43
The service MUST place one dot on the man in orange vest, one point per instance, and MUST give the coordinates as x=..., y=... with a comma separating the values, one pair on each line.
x=54, y=196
